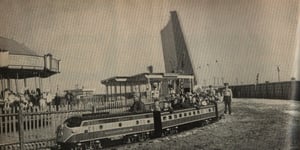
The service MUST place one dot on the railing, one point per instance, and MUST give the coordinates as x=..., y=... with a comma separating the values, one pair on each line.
x=39, y=125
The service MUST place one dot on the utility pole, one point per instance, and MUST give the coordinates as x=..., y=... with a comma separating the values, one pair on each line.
x=257, y=78
x=222, y=80
x=214, y=81
x=278, y=72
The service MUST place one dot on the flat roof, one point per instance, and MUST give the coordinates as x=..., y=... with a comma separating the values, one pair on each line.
x=144, y=77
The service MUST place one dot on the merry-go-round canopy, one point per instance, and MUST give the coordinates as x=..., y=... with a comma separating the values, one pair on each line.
x=19, y=62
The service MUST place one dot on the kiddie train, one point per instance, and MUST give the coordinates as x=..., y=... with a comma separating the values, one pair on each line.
x=143, y=120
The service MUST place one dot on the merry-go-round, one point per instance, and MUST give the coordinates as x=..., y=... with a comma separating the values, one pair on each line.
x=18, y=64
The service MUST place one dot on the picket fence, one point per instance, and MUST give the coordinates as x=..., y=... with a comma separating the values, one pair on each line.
x=39, y=124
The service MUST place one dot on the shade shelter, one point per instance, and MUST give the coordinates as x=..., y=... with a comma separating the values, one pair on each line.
x=122, y=87
x=19, y=62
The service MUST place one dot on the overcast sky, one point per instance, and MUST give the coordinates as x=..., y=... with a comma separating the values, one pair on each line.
x=98, y=39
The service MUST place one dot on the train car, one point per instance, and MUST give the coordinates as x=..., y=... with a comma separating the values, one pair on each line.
x=92, y=131
x=83, y=132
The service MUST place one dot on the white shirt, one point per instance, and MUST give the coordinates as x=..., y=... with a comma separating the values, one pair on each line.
x=227, y=92
x=155, y=93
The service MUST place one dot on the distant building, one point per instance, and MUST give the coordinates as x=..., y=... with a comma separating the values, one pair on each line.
x=81, y=93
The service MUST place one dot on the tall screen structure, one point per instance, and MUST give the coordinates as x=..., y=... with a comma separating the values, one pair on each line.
x=176, y=56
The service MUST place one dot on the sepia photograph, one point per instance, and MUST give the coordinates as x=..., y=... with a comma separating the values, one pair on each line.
x=149, y=74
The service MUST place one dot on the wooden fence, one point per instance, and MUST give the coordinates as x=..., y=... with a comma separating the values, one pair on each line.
x=39, y=124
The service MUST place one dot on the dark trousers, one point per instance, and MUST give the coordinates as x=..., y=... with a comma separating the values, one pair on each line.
x=157, y=123
x=227, y=101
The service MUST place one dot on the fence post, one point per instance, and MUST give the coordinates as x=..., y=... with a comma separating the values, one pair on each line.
x=21, y=128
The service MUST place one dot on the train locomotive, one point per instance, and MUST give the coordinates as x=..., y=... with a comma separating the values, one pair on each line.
x=92, y=131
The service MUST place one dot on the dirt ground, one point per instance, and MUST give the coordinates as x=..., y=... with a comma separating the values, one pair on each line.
x=255, y=124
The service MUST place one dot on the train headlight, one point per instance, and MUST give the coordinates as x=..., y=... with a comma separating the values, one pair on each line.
x=79, y=144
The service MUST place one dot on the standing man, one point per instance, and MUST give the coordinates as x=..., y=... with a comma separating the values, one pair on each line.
x=227, y=97
x=69, y=98
x=155, y=97
x=57, y=101
x=156, y=110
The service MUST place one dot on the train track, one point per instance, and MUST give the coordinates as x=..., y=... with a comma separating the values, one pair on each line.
x=41, y=144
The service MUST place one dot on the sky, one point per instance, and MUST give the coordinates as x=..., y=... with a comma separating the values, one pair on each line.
x=98, y=39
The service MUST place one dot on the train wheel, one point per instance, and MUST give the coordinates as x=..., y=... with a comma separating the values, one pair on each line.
x=95, y=145
x=127, y=140
x=206, y=122
x=141, y=137
x=163, y=134
x=174, y=130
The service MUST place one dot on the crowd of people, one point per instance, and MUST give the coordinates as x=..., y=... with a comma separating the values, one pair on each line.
x=26, y=99
x=198, y=97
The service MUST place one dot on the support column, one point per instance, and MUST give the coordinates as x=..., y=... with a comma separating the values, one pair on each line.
x=111, y=94
x=106, y=95
x=191, y=88
x=120, y=91
x=35, y=83
x=8, y=84
x=16, y=84
x=2, y=86
x=25, y=82
x=125, y=93
x=50, y=85
x=131, y=87
x=115, y=92
x=175, y=85
x=41, y=84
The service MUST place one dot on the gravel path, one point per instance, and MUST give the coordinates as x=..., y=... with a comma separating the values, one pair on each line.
x=255, y=124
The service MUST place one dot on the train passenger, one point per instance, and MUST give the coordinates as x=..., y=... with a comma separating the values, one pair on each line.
x=189, y=98
x=138, y=105
x=227, y=98
x=211, y=93
x=173, y=100
x=155, y=91
x=183, y=101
